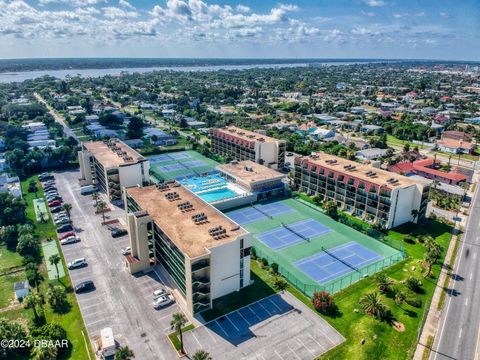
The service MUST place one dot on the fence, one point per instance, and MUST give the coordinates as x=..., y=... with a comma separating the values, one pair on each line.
x=335, y=285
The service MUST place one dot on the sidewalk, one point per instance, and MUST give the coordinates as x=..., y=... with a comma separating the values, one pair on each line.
x=433, y=318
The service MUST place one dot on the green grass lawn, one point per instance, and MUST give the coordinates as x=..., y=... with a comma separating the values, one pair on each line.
x=9, y=258
x=6, y=287
x=174, y=338
x=395, y=142
x=72, y=320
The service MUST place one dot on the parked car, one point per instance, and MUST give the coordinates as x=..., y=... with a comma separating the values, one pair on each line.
x=84, y=286
x=49, y=188
x=60, y=214
x=62, y=221
x=54, y=203
x=163, y=301
x=158, y=293
x=66, y=235
x=64, y=228
x=51, y=193
x=127, y=250
x=74, y=264
x=55, y=209
x=70, y=240
x=53, y=198
x=117, y=232
x=45, y=176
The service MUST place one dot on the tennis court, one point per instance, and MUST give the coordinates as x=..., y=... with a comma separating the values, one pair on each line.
x=292, y=234
x=50, y=248
x=41, y=213
x=337, y=262
x=181, y=164
x=313, y=251
x=258, y=212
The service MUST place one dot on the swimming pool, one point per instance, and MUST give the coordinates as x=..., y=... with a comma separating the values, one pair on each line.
x=197, y=184
x=218, y=194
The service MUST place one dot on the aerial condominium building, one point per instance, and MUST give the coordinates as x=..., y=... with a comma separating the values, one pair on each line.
x=239, y=144
x=206, y=254
x=112, y=165
x=373, y=194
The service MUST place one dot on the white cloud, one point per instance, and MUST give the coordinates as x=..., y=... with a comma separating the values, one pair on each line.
x=444, y=14
x=374, y=3
x=125, y=4
x=112, y=12
x=243, y=9
x=74, y=3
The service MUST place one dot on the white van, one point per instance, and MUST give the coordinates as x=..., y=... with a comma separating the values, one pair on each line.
x=88, y=189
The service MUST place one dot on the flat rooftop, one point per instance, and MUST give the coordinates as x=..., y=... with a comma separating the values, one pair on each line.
x=250, y=171
x=113, y=153
x=191, y=238
x=247, y=134
x=361, y=171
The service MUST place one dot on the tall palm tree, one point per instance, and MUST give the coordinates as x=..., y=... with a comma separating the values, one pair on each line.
x=31, y=302
x=101, y=207
x=372, y=305
x=177, y=323
x=434, y=251
x=67, y=207
x=55, y=260
x=124, y=353
x=95, y=197
x=201, y=355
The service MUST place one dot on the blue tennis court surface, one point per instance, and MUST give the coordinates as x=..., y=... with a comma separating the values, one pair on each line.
x=259, y=212
x=293, y=234
x=158, y=158
x=336, y=262
x=171, y=167
x=179, y=155
x=194, y=163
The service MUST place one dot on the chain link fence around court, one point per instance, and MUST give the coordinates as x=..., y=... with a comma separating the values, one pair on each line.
x=335, y=285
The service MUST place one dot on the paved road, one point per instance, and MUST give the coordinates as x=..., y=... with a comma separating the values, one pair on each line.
x=459, y=329
x=57, y=117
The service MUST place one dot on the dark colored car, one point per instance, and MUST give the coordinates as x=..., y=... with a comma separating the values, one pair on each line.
x=66, y=235
x=45, y=176
x=64, y=228
x=84, y=286
x=55, y=209
x=117, y=232
x=54, y=203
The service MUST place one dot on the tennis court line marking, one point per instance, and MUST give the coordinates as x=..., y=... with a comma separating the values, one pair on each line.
x=340, y=247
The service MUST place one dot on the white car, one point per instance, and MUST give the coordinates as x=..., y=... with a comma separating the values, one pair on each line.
x=158, y=293
x=163, y=301
x=127, y=250
x=70, y=240
x=77, y=263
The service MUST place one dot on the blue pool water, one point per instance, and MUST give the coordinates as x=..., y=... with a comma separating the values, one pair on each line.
x=197, y=184
x=219, y=194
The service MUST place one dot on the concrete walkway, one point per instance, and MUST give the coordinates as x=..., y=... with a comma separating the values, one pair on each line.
x=433, y=318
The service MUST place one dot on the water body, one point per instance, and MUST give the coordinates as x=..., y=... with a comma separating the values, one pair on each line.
x=62, y=74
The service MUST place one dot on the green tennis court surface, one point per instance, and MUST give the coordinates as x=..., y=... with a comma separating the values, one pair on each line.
x=50, y=248
x=313, y=251
x=41, y=213
x=177, y=165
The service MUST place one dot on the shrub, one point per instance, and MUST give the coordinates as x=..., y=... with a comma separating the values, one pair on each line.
x=274, y=268
x=322, y=301
x=409, y=239
x=253, y=253
x=279, y=282
x=264, y=262
x=414, y=284
x=414, y=301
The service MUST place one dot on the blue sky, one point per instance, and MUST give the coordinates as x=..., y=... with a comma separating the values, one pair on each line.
x=422, y=29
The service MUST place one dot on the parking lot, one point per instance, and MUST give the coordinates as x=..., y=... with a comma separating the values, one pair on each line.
x=279, y=327
x=120, y=301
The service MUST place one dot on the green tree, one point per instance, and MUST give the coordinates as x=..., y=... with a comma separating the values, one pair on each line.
x=177, y=323
x=372, y=305
x=135, y=128
x=55, y=260
x=28, y=246
x=31, y=302
x=67, y=207
x=33, y=275
x=11, y=330
x=57, y=297
x=32, y=186
x=101, y=207
x=331, y=208
x=384, y=283
x=201, y=355
x=124, y=353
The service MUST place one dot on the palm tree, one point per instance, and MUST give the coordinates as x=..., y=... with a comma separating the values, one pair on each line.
x=201, y=355
x=95, y=197
x=384, y=283
x=31, y=302
x=124, y=353
x=101, y=207
x=372, y=305
x=54, y=260
x=67, y=207
x=178, y=322
x=434, y=251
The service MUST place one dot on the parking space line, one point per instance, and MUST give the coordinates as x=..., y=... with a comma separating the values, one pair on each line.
x=305, y=346
x=273, y=302
x=253, y=312
x=264, y=308
x=280, y=356
x=315, y=340
x=226, y=334
x=210, y=334
x=95, y=322
x=198, y=342
x=88, y=307
x=93, y=313
x=293, y=352
x=239, y=313
x=231, y=322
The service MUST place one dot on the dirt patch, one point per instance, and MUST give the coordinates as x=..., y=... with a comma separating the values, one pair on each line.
x=397, y=325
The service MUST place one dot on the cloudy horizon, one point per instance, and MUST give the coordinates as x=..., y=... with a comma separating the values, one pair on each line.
x=386, y=29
